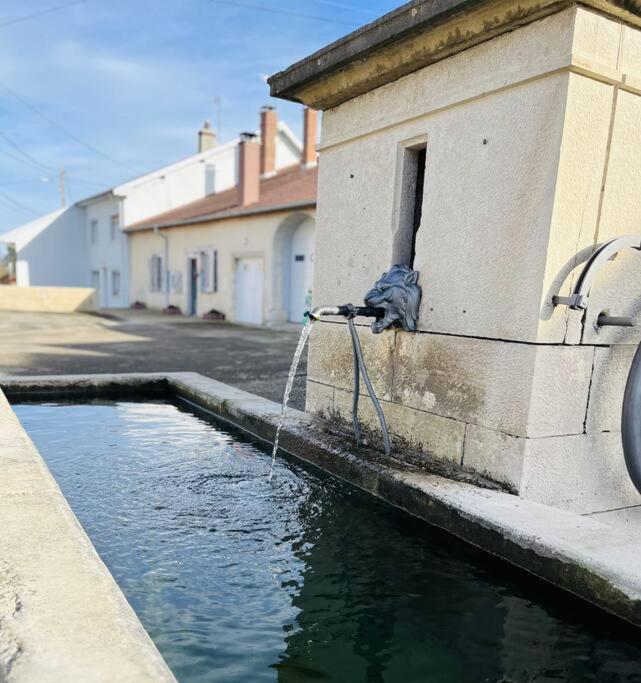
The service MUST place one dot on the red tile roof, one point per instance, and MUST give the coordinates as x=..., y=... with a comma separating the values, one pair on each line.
x=293, y=187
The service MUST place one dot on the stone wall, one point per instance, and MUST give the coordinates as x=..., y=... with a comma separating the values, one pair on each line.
x=47, y=299
x=533, y=152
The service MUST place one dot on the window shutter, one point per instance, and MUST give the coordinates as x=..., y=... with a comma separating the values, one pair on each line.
x=205, y=271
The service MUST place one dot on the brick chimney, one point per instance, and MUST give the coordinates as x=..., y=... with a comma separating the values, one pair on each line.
x=206, y=138
x=268, y=132
x=248, y=169
x=310, y=130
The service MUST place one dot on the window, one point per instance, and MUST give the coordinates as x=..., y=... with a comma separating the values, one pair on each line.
x=417, y=209
x=156, y=274
x=410, y=201
x=210, y=179
x=204, y=271
x=208, y=274
x=115, y=283
x=114, y=227
x=95, y=280
x=93, y=232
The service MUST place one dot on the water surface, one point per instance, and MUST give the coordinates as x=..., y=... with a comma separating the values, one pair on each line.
x=302, y=578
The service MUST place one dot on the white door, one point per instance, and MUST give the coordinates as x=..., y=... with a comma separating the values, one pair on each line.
x=249, y=290
x=302, y=271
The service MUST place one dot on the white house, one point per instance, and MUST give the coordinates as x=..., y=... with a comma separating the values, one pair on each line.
x=51, y=250
x=246, y=252
x=83, y=245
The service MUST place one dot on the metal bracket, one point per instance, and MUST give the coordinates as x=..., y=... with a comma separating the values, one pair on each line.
x=579, y=299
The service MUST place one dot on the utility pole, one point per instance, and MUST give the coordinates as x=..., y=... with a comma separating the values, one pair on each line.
x=61, y=185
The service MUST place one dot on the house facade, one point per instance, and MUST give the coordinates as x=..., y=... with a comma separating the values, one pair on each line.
x=51, y=250
x=246, y=252
x=84, y=245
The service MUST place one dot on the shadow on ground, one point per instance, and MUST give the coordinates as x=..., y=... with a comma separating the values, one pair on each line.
x=254, y=359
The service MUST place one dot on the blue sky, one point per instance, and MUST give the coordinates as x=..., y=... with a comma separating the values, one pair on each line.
x=108, y=89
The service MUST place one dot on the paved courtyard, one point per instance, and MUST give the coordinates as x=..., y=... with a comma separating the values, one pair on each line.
x=254, y=359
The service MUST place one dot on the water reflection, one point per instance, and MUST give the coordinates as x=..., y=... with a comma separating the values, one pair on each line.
x=301, y=578
x=385, y=598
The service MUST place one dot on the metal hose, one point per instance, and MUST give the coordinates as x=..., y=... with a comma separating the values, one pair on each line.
x=360, y=363
x=357, y=382
x=631, y=421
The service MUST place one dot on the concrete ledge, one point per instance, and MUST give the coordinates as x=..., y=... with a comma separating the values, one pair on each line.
x=592, y=557
x=411, y=37
x=47, y=299
x=62, y=615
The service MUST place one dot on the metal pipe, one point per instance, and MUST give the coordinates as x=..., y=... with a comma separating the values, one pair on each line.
x=605, y=320
x=377, y=406
x=346, y=311
x=357, y=385
x=350, y=312
x=322, y=310
x=631, y=421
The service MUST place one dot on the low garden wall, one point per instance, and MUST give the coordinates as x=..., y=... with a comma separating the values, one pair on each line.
x=47, y=299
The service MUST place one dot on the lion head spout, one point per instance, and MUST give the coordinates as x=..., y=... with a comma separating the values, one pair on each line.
x=399, y=295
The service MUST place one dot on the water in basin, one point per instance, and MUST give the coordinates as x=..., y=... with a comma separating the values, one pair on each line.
x=301, y=578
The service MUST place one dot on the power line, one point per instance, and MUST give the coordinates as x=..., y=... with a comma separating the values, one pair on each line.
x=67, y=132
x=26, y=17
x=352, y=8
x=25, y=154
x=20, y=159
x=23, y=181
x=82, y=181
x=274, y=10
x=16, y=204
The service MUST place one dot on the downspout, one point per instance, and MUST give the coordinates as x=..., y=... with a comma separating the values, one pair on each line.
x=166, y=259
x=125, y=294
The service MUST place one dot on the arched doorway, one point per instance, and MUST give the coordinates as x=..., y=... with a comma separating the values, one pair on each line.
x=292, y=268
x=301, y=271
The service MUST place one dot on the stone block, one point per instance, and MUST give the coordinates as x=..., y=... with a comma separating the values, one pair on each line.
x=519, y=389
x=576, y=203
x=560, y=389
x=490, y=185
x=353, y=245
x=630, y=62
x=319, y=399
x=495, y=455
x=617, y=288
x=581, y=473
x=597, y=37
x=609, y=376
x=438, y=436
x=330, y=359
